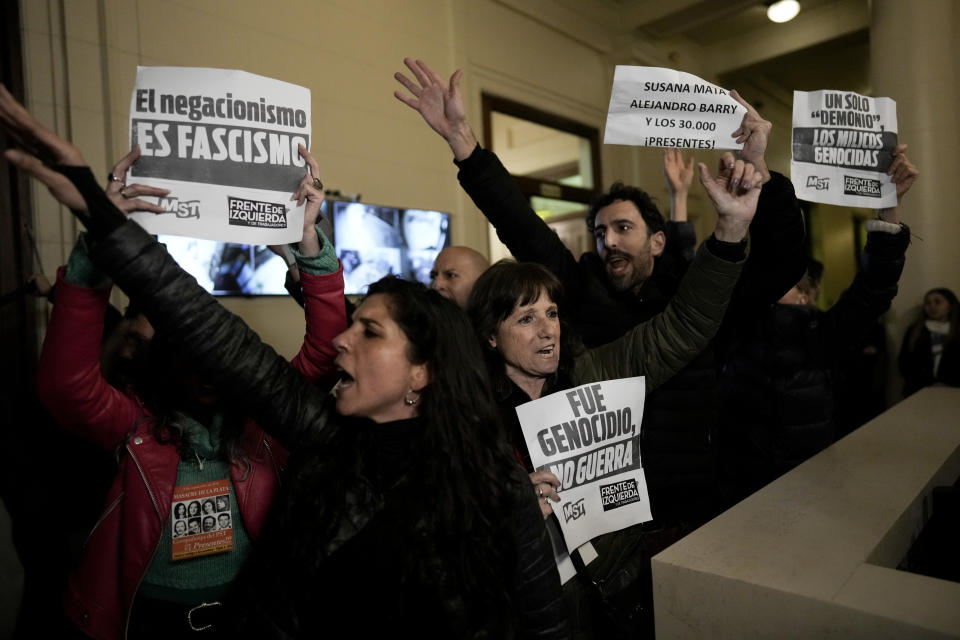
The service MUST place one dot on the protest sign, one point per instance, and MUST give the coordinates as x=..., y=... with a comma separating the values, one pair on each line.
x=225, y=144
x=657, y=107
x=842, y=145
x=589, y=437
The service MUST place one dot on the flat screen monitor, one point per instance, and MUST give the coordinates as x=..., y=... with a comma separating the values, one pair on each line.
x=228, y=269
x=373, y=241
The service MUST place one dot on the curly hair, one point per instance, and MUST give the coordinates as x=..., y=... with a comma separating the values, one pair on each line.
x=640, y=198
x=463, y=440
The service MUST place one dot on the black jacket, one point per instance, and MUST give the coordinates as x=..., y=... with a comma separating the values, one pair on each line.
x=778, y=388
x=679, y=423
x=916, y=360
x=234, y=359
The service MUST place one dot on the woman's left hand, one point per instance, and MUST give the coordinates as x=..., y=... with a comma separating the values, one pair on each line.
x=545, y=485
x=126, y=197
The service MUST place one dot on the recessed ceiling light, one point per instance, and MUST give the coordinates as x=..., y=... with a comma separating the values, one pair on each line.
x=783, y=10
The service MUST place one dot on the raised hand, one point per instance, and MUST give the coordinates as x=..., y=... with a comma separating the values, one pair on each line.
x=35, y=139
x=679, y=174
x=754, y=132
x=309, y=191
x=679, y=177
x=43, y=149
x=440, y=103
x=126, y=197
x=903, y=173
x=734, y=194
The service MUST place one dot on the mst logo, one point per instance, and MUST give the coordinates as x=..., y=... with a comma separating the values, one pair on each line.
x=181, y=208
x=854, y=186
x=818, y=183
x=573, y=510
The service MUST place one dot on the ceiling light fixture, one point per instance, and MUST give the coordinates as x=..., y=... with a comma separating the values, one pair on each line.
x=783, y=10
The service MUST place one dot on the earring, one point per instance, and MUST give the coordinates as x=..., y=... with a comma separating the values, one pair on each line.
x=411, y=398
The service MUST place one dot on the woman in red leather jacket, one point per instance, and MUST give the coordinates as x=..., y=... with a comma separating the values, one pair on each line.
x=140, y=576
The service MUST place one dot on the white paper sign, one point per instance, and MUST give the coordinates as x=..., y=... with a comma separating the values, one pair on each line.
x=225, y=144
x=842, y=146
x=589, y=437
x=657, y=107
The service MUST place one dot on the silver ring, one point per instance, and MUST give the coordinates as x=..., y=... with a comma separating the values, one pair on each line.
x=113, y=178
x=540, y=490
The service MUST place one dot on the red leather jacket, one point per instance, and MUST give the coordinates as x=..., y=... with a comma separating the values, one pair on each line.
x=121, y=545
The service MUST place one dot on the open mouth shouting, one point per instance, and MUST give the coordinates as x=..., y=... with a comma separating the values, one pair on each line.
x=618, y=264
x=547, y=351
x=345, y=382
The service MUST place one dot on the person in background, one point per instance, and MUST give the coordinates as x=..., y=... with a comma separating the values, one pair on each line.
x=777, y=391
x=454, y=272
x=930, y=353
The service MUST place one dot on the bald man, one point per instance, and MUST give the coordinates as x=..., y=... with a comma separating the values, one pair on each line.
x=454, y=272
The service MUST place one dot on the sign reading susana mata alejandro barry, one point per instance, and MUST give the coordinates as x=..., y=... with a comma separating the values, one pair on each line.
x=657, y=107
x=589, y=437
x=225, y=143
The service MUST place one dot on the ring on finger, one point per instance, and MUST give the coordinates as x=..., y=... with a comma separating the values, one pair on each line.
x=317, y=183
x=113, y=178
x=540, y=491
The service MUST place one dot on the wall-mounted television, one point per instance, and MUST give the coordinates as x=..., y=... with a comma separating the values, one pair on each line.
x=373, y=241
x=228, y=269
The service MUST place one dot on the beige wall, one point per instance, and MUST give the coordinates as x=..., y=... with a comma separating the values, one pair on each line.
x=81, y=58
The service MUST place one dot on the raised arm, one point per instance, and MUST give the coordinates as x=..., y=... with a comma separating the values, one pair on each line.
x=483, y=176
x=440, y=103
x=777, y=233
x=69, y=379
x=881, y=265
x=661, y=346
x=321, y=278
x=681, y=238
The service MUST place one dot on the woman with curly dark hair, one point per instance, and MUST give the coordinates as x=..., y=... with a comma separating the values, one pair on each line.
x=404, y=512
x=931, y=349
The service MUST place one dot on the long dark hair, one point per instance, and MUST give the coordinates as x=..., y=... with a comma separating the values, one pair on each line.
x=497, y=292
x=467, y=464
